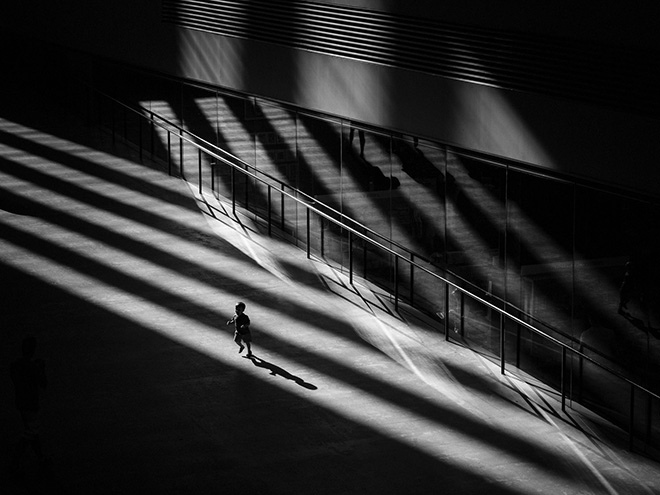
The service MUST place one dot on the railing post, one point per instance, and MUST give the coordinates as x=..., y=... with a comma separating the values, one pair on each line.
x=212, y=164
x=309, y=239
x=462, y=310
x=563, y=379
x=183, y=173
x=396, y=282
x=631, y=425
x=233, y=190
x=322, y=237
x=518, y=341
x=282, y=207
x=199, y=164
x=151, y=133
x=247, y=192
x=412, y=279
x=649, y=417
x=447, y=311
x=350, y=257
x=169, y=153
x=270, y=211
x=502, y=357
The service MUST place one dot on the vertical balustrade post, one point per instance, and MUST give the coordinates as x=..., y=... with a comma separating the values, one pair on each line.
x=270, y=211
x=212, y=164
x=631, y=422
x=502, y=356
x=322, y=237
x=169, y=153
x=309, y=237
x=247, y=192
x=462, y=313
x=563, y=379
x=447, y=311
x=233, y=190
x=152, y=131
x=199, y=164
x=282, y=207
x=396, y=282
x=350, y=257
x=412, y=279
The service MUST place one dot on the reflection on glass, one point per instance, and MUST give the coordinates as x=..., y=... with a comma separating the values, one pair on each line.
x=476, y=217
x=580, y=263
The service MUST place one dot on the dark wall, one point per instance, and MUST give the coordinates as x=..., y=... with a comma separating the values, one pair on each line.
x=582, y=139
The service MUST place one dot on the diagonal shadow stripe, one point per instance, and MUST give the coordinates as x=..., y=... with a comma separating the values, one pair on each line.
x=95, y=169
x=438, y=414
x=282, y=403
x=152, y=254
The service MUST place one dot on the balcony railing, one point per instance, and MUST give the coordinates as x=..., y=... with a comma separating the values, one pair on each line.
x=140, y=127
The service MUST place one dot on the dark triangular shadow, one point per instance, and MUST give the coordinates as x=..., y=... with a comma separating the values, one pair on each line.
x=639, y=324
x=277, y=371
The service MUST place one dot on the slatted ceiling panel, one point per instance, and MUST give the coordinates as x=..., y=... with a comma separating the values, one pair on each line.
x=537, y=64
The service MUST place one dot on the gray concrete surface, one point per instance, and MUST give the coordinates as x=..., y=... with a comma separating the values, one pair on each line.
x=127, y=277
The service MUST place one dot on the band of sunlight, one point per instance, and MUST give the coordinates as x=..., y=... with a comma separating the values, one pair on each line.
x=445, y=444
x=150, y=273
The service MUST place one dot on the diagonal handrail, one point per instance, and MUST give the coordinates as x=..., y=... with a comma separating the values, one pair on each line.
x=232, y=160
x=338, y=219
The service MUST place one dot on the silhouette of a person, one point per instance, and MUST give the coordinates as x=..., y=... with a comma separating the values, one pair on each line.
x=28, y=376
x=361, y=138
x=242, y=334
x=627, y=288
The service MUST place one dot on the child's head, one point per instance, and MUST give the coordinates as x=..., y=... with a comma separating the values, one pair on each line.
x=240, y=307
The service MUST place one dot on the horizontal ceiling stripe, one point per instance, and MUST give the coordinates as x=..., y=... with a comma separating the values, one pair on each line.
x=539, y=64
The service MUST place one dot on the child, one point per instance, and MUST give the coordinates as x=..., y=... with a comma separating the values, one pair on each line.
x=242, y=333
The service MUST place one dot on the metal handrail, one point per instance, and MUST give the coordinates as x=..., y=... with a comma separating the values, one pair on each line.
x=236, y=164
x=180, y=131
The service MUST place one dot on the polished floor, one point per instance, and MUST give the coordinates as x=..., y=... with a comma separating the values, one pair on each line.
x=127, y=277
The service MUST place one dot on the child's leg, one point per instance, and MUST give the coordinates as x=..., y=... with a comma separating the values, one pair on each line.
x=237, y=339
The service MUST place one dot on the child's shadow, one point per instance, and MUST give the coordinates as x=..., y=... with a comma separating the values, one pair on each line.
x=276, y=370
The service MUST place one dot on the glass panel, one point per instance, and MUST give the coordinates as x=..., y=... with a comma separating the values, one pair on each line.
x=418, y=211
x=275, y=148
x=319, y=176
x=617, y=299
x=476, y=218
x=374, y=263
x=319, y=159
x=233, y=135
x=199, y=115
x=429, y=291
x=540, y=266
x=235, y=126
x=419, y=206
x=366, y=179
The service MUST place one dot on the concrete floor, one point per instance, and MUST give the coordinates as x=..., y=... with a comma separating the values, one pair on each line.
x=127, y=277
